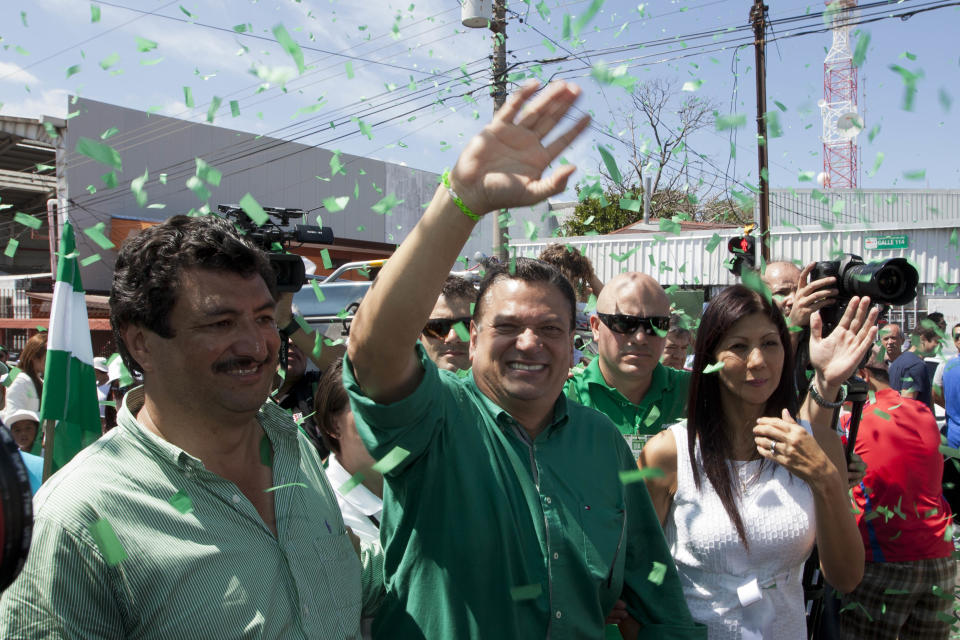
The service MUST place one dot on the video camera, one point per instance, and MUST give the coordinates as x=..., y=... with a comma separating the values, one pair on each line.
x=272, y=237
x=891, y=282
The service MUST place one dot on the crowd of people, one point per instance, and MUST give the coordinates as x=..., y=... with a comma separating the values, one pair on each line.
x=450, y=473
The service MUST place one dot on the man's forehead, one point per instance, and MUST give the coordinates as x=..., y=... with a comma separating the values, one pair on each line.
x=513, y=296
x=890, y=330
x=451, y=307
x=782, y=273
x=209, y=289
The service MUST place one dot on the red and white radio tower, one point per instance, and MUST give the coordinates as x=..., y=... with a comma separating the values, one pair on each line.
x=841, y=122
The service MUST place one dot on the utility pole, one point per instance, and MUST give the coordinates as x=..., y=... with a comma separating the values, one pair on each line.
x=499, y=93
x=758, y=14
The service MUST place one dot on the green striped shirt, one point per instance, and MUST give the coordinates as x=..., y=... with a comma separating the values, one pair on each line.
x=214, y=572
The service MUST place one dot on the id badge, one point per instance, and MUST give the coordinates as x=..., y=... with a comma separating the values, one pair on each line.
x=636, y=441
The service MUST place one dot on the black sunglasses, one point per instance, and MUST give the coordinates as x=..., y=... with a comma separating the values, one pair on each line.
x=621, y=323
x=956, y=336
x=439, y=328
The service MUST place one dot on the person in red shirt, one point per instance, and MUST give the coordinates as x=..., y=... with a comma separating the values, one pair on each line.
x=905, y=522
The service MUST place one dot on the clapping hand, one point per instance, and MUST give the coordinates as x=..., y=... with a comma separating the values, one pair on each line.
x=503, y=165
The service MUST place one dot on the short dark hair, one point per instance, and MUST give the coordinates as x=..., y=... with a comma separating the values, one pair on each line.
x=146, y=277
x=879, y=372
x=527, y=270
x=575, y=266
x=457, y=288
x=330, y=399
x=704, y=417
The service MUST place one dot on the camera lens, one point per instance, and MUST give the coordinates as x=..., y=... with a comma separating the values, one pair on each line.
x=890, y=282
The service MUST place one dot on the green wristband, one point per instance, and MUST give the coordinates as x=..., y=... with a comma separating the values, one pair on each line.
x=445, y=178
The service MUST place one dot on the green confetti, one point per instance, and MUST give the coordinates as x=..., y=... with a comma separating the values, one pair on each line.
x=752, y=280
x=780, y=106
x=188, y=97
x=27, y=221
x=734, y=121
x=953, y=240
x=526, y=592
x=109, y=179
x=286, y=486
x=11, y=249
x=385, y=204
x=713, y=368
x=669, y=226
x=652, y=417
x=234, y=108
x=713, y=243
x=349, y=67
x=253, y=209
x=333, y=205
x=74, y=70
x=136, y=186
x=207, y=173
x=109, y=133
x=95, y=233
x=611, y=164
x=364, y=127
x=587, y=16
x=624, y=256
x=107, y=542
x=658, y=573
x=909, y=79
x=691, y=85
x=290, y=46
x=882, y=414
x=94, y=13
x=144, y=45
x=860, y=52
x=214, y=105
x=325, y=259
x=636, y=475
x=351, y=484
x=181, y=502
x=196, y=185
x=317, y=291
x=100, y=152
x=109, y=61
x=89, y=260
x=336, y=166
x=391, y=460
x=629, y=204
x=945, y=100
x=462, y=332
x=915, y=175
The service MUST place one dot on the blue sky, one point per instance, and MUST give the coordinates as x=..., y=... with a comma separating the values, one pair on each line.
x=394, y=58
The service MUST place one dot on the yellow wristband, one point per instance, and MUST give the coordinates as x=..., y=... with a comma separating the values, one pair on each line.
x=445, y=178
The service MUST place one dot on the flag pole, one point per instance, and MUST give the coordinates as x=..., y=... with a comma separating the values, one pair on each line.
x=48, y=430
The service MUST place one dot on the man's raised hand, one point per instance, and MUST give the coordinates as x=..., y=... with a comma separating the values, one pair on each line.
x=503, y=165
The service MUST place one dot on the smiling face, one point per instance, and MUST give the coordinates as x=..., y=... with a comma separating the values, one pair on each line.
x=450, y=352
x=752, y=357
x=521, y=346
x=223, y=353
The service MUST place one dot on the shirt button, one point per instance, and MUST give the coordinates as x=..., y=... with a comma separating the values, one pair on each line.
x=559, y=615
x=236, y=499
x=556, y=556
x=548, y=500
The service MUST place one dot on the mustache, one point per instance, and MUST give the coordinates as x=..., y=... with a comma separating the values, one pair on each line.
x=239, y=363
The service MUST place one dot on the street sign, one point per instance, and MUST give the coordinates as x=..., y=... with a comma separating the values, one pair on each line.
x=881, y=243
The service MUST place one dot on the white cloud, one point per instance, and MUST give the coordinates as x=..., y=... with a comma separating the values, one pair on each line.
x=33, y=105
x=12, y=72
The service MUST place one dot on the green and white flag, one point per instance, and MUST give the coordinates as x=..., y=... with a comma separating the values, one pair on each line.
x=69, y=383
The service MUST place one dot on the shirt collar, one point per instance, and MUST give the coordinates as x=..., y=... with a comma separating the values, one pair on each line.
x=133, y=401
x=658, y=381
x=361, y=498
x=505, y=420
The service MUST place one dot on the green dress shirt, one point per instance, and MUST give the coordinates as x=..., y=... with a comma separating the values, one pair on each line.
x=216, y=571
x=665, y=401
x=489, y=535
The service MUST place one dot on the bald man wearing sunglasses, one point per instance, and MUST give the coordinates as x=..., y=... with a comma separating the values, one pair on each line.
x=626, y=380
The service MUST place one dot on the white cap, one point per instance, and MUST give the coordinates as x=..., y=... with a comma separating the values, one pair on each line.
x=114, y=369
x=100, y=364
x=20, y=414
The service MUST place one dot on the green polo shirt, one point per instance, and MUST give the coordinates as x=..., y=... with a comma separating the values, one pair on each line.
x=665, y=401
x=489, y=535
x=216, y=571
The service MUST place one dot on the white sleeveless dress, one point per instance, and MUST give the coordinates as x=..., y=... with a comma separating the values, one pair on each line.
x=738, y=594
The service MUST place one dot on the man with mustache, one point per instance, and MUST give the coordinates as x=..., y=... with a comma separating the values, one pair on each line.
x=206, y=508
x=440, y=338
x=626, y=380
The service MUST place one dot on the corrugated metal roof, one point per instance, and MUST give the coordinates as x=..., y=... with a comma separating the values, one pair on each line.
x=800, y=207
x=684, y=258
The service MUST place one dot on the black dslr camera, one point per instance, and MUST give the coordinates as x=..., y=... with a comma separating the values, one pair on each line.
x=891, y=282
x=274, y=239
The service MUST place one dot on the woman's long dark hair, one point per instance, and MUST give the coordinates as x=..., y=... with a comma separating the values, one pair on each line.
x=33, y=351
x=705, y=419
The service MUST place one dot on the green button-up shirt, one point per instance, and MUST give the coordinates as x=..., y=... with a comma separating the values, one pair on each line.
x=665, y=401
x=489, y=535
x=214, y=572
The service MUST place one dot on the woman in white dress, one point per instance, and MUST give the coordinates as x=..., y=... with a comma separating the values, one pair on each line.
x=746, y=490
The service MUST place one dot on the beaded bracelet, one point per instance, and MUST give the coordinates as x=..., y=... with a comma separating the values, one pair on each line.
x=456, y=199
x=815, y=394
